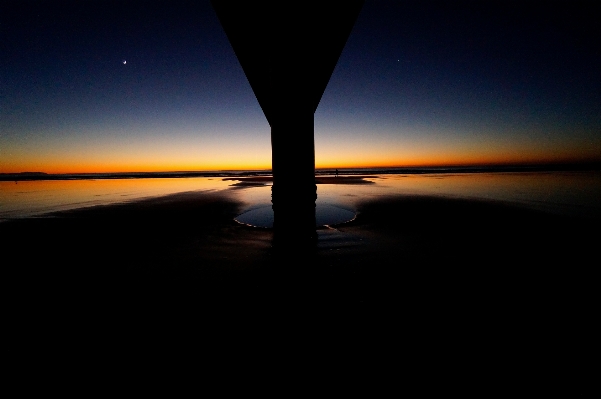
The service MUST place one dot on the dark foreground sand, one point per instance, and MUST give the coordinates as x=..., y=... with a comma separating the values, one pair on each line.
x=422, y=282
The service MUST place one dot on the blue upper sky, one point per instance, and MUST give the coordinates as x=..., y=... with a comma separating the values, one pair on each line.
x=105, y=86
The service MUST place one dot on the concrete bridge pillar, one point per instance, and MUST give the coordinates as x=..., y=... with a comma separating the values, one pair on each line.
x=288, y=51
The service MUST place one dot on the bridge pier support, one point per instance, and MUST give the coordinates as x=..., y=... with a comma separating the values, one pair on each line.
x=294, y=192
x=288, y=51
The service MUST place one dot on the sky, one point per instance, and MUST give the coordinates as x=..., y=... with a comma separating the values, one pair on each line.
x=107, y=86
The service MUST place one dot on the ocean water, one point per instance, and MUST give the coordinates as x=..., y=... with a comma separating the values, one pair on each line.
x=572, y=193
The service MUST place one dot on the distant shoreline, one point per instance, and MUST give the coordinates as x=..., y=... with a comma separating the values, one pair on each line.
x=29, y=176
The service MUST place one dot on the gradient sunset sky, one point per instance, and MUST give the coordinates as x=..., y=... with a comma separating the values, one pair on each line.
x=104, y=86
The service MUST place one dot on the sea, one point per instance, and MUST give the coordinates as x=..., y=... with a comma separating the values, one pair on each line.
x=574, y=192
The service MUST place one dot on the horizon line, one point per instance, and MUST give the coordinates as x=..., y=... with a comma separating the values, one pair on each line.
x=496, y=167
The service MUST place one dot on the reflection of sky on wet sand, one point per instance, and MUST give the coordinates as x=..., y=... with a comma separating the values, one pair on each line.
x=30, y=198
x=574, y=193
x=561, y=192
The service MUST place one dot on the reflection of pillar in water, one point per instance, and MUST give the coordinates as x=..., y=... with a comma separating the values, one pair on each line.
x=288, y=51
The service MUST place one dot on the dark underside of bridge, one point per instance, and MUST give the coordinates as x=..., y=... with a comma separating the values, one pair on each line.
x=288, y=51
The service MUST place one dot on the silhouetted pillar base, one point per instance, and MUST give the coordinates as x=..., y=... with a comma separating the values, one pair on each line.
x=294, y=214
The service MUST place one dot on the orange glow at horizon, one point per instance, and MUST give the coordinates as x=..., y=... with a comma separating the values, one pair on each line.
x=360, y=151
x=449, y=149
x=452, y=161
x=342, y=161
x=67, y=168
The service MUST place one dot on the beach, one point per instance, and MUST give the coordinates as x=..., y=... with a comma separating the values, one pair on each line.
x=488, y=279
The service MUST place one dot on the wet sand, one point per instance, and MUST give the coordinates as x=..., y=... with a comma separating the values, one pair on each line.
x=417, y=277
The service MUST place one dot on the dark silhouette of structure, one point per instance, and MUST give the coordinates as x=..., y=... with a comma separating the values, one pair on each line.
x=288, y=51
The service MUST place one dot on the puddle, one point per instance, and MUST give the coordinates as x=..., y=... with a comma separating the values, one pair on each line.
x=325, y=215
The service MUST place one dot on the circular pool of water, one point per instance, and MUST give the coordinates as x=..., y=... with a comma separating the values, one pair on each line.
x=325, y=215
